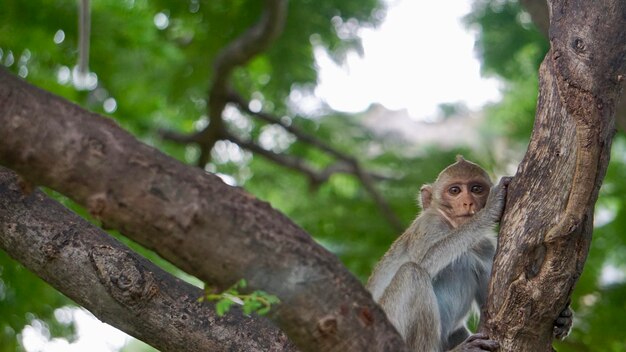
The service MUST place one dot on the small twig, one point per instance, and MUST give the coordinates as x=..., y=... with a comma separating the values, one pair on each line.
x=346, y=164
x=285, y=160
x=316, y=177
x=180, y=138
x=380, y=201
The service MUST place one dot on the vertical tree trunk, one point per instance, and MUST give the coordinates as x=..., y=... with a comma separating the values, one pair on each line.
x=538, y=10
x=546, y=229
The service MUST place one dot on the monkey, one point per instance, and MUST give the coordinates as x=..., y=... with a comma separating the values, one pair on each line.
x=429, y=278
x=440, y=266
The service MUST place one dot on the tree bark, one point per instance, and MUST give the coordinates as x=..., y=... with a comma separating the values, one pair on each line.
x=539, y=13
x=215, y=232
x=546, y=229
x=120, y=287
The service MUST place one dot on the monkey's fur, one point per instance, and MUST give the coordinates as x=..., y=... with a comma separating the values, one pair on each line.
x=431, y=275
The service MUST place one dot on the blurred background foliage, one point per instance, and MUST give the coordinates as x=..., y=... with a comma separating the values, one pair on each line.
x=153, y=62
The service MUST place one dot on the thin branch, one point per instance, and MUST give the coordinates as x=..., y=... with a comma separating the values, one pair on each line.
x=257, y=39
x=303, y=137
x=180, y=138
x=347, y=164
x=379, y=200
x=251, y=43
x=300, y=165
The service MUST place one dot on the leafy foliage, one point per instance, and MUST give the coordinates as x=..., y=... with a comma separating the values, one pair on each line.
x=508, y=43
x=258, y=302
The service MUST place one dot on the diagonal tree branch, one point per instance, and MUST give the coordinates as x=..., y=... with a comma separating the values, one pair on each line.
x=316, y=176
x=88, y=265
x=215, y=232
x=243, y=105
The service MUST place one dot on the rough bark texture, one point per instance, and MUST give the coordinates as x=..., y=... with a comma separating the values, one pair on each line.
x=215, y=232
x=546, y=229
x=539, y=13
x=120, y=287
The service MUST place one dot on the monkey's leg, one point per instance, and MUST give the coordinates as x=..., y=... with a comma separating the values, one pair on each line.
x=411, y=306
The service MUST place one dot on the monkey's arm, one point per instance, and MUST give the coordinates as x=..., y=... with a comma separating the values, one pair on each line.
x=484, y=252
x=452, y=246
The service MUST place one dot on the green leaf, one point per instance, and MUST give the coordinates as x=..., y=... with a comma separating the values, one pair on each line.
x=223, y=306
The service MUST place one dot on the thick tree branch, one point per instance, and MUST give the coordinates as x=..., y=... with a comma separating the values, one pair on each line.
x=215, y=232
x=538, y=10
x=546, y=229
x=118, y=286
x=251, y=43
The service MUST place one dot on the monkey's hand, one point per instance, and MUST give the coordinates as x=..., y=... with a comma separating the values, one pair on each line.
x=495, y=202
x=563, y=324
x=477, y=343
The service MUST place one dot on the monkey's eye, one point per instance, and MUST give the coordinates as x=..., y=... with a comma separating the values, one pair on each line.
x=477, y=189
x=454, y=190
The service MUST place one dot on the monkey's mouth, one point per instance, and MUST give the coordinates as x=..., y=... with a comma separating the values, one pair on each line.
x=468, y=215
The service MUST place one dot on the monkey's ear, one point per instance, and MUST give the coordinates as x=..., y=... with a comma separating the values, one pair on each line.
x=426, y=196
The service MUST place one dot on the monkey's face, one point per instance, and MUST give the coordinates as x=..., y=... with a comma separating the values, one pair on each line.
x=462, y=198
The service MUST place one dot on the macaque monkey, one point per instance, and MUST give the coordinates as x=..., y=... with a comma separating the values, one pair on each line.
x=430, y=277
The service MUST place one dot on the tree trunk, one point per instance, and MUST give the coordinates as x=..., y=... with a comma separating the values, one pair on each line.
x=546, y=229
x=539, y=13
x=120, y=287
x=215, y=232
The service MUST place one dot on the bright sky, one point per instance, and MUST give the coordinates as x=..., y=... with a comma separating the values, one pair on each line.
x=91, y=334
x=419, y=57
